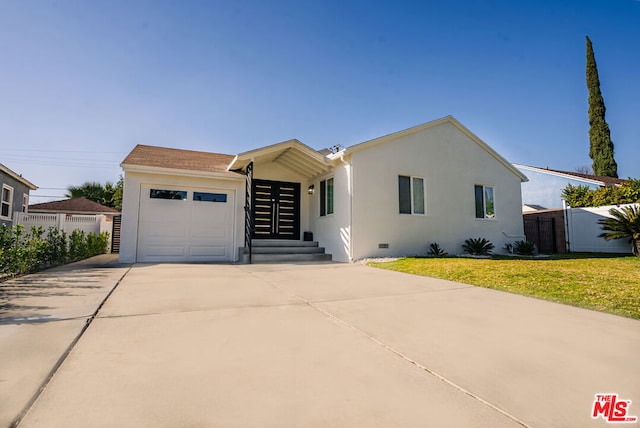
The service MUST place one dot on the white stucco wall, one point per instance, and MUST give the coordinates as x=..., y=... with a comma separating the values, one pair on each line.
x=131, y=203
x=583, y=231
x=451, y=164
x=333, y=231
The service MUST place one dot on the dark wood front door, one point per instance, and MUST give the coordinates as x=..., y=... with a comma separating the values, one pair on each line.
x=276, y=209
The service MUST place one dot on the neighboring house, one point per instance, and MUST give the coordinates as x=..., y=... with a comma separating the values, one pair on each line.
x=15, y=194
x=545, y=186
x=72, y=214
x=77, y=206
x=390, y=196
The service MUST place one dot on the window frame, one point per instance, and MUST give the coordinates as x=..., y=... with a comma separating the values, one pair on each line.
x=480, y=201
x=156, y=194
x=25, y=203
x=9, y=203
x=412, y=195
x=216, y=197
x=327, y=196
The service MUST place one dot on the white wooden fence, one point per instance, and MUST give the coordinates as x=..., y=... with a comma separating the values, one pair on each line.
x=583, y=229
x=66, y=222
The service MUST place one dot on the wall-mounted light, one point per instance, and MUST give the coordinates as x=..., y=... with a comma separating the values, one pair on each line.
x=311, y=189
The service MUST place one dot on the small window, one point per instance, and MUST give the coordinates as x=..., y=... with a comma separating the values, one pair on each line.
x=411, y=195
x=209, y=197
x=25, y=203
x=485, y=203
x=168, y=194
x=326, y=197
x=7, y=201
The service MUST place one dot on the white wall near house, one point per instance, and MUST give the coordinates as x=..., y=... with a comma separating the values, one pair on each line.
x=451, y=164
x=583, y=230
x=333, y=231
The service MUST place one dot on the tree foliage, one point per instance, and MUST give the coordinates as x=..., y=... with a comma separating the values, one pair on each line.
x=109, y=195
x=601, y=148
x=624, y=223
x=582, y=196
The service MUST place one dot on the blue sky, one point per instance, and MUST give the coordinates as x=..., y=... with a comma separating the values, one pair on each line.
x=83, y=82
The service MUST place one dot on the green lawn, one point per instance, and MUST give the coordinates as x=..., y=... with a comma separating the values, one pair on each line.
x=607, y=284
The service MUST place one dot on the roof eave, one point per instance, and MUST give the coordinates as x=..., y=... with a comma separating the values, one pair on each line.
x=145, y=169
x=18, y=177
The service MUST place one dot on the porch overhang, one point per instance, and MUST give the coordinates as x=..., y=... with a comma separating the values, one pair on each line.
x=291, y=154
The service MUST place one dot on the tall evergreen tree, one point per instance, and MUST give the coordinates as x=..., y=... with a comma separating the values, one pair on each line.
x=601, y=149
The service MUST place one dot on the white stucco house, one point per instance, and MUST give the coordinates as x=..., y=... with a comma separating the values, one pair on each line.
x=390, y=196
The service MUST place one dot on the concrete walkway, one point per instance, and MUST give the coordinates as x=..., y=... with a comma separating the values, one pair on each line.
x=334, y=345
x=41, y=315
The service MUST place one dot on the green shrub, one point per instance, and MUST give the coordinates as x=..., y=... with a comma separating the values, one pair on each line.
x=22, y=252
x=478, y=246
x=583, y=196
x=436, y=251
x=524, y=248
x=56, y=250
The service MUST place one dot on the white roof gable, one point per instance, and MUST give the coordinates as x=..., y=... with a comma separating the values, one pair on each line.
x=447, y=119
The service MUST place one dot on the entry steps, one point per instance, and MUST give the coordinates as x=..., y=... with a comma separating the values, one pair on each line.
x=283, y=251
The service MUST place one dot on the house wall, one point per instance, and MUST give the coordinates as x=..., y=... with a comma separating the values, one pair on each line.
x=19, y=189
x=545, y=189
x=333, y=231
x=131, y=203
x=451, y=164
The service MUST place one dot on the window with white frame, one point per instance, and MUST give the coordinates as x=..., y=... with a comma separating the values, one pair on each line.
x=485, y=202
x=25, y=203
x=411, y=193
x=326, y=197
x=7, y=201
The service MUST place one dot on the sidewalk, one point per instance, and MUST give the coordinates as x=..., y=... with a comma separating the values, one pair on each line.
x=41, y=316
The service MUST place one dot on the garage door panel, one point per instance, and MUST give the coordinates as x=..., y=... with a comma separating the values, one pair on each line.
x=186, y=229
x=206, y=251
x=161, y=230
x=164, y=251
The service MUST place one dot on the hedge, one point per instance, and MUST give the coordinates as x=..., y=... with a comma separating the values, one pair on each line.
x=23, y=252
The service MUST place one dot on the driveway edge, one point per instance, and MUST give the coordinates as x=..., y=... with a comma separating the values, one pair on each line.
x=16, y=422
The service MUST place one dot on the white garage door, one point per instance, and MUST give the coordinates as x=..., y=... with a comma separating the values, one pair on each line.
x=182, y=224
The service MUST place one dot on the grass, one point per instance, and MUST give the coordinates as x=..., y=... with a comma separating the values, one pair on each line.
x=602, y=283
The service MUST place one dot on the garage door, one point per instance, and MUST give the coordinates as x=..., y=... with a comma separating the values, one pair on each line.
x=181, y=224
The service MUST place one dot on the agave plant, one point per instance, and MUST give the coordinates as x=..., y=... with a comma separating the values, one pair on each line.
x=524, y=248
x=477, y=246
x=436, y=250
x=624, y=223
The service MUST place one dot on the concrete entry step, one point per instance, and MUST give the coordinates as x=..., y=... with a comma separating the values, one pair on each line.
x=286, y=258
x=282, y=243
x=283, y=251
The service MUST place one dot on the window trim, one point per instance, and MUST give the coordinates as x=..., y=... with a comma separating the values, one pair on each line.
x=216, y=197
x=9, y=202
x=483, y=188
x=25, y=203
x=412, y=194
x=327, y=198
x=155, y=194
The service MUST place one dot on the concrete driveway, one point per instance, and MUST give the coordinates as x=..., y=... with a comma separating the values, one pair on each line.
x=334, y=345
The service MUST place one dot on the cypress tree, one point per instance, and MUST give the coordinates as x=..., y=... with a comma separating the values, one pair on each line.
x=601, y=149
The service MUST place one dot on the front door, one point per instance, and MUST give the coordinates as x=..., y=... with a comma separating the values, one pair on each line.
x=276, y=209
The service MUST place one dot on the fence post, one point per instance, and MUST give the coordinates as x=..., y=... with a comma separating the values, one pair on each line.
x=60, y=222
